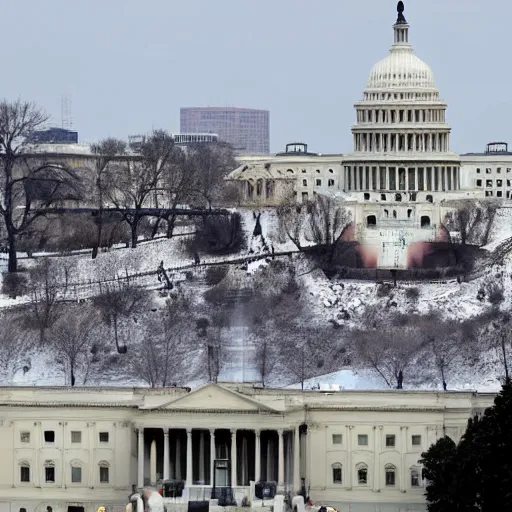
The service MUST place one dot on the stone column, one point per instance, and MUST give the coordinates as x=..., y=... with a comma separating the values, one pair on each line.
x=280, y=468
x=371, y=178
x=378, y=177
x=403, y=472
x=140, y=461
x=406, y=178
x=167, y=462
x=257, y=455
x=212, y=454
x=354, y=175
x=350, y=470
x=189, y=458
x=233, y=458
x=445, y=178
x=387, y=171
x=425, y=178
x=377, y=433
x=202, y=461
x=296, y=459
x=416, y=187
x=152, y=463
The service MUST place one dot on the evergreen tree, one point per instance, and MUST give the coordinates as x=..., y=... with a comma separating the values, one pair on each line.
x=440, y=469
x=476, y=475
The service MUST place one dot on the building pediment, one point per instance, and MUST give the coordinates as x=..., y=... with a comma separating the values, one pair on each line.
x=215, y=398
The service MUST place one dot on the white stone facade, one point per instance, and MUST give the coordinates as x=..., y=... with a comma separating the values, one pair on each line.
x=89, y=447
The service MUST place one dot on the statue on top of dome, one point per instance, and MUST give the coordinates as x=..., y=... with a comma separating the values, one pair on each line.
x=401, y=8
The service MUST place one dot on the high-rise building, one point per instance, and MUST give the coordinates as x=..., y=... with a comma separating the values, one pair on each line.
x=247, y=130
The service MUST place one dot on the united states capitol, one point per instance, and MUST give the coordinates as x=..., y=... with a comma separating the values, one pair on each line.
x=76, y=449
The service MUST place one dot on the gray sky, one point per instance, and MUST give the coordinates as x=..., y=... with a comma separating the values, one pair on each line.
x=129, y=65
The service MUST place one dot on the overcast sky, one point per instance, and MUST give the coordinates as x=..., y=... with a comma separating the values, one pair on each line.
x=129, y=65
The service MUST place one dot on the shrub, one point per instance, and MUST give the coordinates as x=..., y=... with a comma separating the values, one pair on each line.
x=221, y=235
x=412, y=293
x=14, y=284
x=384, y=290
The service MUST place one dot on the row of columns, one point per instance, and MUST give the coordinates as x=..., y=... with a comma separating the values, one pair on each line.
x=262, y=188
x=392, y=116
x=366, y=178
x=233, y=457
x=377, y=142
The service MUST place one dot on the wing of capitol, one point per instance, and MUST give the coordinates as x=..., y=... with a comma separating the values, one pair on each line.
x=401, y=179
x=74, y=450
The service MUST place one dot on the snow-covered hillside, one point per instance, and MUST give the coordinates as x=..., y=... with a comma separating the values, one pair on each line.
x=338, y=302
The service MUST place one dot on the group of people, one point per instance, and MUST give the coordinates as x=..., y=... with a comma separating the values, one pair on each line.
x=149, y=500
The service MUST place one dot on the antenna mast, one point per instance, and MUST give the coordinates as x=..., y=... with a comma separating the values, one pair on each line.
x=66, y=116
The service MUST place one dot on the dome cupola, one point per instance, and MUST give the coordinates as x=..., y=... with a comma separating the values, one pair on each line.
x=401, y=68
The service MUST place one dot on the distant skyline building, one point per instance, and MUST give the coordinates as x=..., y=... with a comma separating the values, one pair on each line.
x=54, y=136
x=247, y=130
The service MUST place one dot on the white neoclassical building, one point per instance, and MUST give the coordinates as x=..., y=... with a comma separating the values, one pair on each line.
x=401, y=178
x=76, y=449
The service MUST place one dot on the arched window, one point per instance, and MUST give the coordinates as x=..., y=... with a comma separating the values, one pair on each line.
x=394, y=214
x=104, y=472
x=386, y=213
x=23, y=509
x=24, y=471
x=390, y=475
x=430, y=199
x=337, y=473
x=409, y=214
x=268, y=189
x=259, y=188
x=331, y=171
x=425, y=221
x=415, y=477
x=362, y=474
x=318, y=171
x=250, y=190
x=371, y=220
x=49, y=471
x=290, y=171
x=76, y=472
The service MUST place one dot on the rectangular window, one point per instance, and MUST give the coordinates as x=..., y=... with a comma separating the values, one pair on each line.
x=336, y=475
x=415, y=479
x=76, y=436
x=390, y=478
x=76, y=475
x=499, y=183
x=498, y=170
x=305, y=197
x=304, y=183
x=488, y=193
x=488, y=183
x=49, y=436
x=390, y=441
x=488, y=170
x=478, y=171
x=318, y=183
x=362, y=440
x=25, y=437
x=337, y=439
x=104, y=475
x=478, y=183
x=103, y=437
x=331, y=183
x=24, y=474
x=416, y=440
x=508, y=170
x=49, y=475
x=499, y=193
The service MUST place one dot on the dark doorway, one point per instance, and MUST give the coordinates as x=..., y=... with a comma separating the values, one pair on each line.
x=76, y=509
x=425, y=221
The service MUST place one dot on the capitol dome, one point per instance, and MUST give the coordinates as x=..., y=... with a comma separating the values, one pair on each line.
x=401, y=69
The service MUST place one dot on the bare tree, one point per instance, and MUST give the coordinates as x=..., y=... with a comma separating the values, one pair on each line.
x=49, y=281
x=72, y=343
x=14, y=344
x=472, y=220
x=24, y=181
x=116, y=301
x=131, y=186
x=292, y=219
x=211, y=163
x=391, y=353
x=106, y=152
